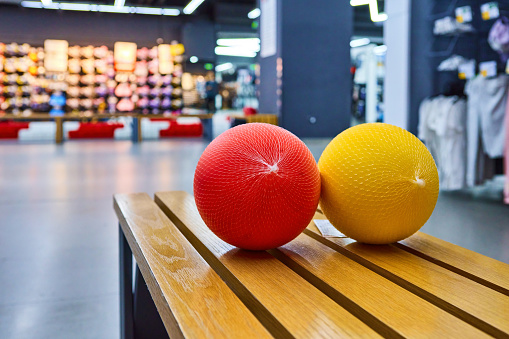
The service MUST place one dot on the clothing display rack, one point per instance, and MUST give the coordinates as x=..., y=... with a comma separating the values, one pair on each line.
x=463, y=118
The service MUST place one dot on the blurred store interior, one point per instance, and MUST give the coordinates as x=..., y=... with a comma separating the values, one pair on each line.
x=116, y=96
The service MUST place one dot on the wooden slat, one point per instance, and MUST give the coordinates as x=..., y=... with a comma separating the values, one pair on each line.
x=301, y=308
x=489, y=272
x=191, y=298
x=403, y=311
x=474, y=303
x=472, y=265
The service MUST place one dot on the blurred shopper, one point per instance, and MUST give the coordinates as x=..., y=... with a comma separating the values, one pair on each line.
x=211, y=90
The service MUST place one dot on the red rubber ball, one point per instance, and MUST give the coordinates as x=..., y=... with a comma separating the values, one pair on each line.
x=257, y=186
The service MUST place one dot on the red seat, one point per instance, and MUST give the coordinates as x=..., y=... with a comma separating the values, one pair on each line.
x=98, y=130
x=182, y=130
x=10, y=129
x=249, y=111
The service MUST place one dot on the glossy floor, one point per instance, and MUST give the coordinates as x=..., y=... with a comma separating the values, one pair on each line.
x=58, y=240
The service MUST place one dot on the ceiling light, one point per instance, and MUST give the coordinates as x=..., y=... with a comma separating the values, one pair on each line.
x=224, y=67
x=119, y=3
x=101, y=8
x=193, y=59
x=373, y=9
x=255, y=13
x=31, y=4
x=112, y=9
x=380, y=50
x=171, y=11
x=53, y=5
x=359, y=42
x=248, y=44
x=149, y=10
x=191, y=6
x=380, y=17
x=238, y=42
x=234, y=51
x=74, y=7
x=359, y=2
x=48, y=4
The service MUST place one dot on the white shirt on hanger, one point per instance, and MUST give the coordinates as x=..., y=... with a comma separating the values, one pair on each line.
x=442, y=123
x=487, y=99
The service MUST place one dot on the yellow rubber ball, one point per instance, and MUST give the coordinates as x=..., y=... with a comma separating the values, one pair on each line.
x=379, y=183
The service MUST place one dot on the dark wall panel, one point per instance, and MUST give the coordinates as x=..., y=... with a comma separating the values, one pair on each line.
x=316, y=67
x=199, y=39
x=267, y=87
x=34, y=26
x=268, y=96
x=422, y=64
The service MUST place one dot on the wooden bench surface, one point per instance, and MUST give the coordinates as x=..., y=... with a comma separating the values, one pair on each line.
x=314, y=286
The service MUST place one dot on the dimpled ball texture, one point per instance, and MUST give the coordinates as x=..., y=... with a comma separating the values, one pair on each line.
x=257, y=186
x=379, y=183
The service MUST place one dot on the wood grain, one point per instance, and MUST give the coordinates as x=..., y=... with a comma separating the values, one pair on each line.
x=486, y=271
x=406, y=313
x=301, y=308
x=474, y=303
x=191, y=298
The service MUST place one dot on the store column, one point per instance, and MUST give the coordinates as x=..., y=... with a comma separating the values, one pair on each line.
x=409, y=65
x=397, y=80
x=305, y=65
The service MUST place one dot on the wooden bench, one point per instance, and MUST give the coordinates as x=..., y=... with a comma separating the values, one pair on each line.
x=314, y=286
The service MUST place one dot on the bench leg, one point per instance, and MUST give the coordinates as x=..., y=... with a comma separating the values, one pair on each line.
x=126, y=288
x=59, y=136
x=147, y=321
